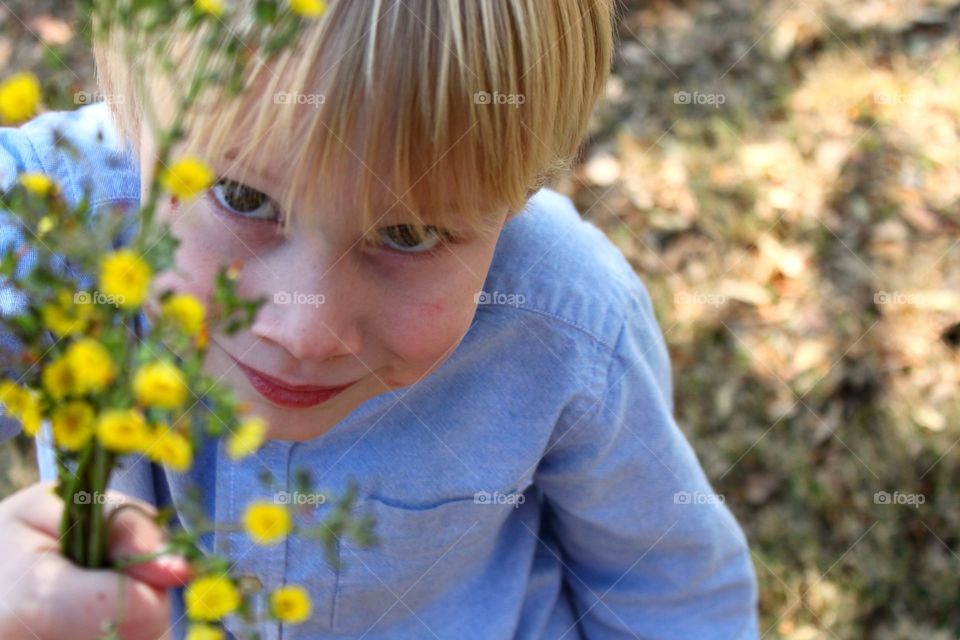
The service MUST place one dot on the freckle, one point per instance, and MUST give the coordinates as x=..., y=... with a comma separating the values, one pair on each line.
x=101, y=596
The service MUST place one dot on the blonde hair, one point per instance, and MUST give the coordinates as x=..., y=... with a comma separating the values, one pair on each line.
x=453, y=108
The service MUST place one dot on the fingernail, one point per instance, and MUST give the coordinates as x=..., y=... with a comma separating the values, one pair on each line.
x=174, y=564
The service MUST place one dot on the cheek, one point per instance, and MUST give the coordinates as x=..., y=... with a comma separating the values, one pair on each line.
x=195, y=262
x=423, y=333
x=423, y=325
x=193, y=272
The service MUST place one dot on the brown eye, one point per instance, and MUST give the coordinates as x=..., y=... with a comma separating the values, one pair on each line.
x=409, y=238
x=243, y=201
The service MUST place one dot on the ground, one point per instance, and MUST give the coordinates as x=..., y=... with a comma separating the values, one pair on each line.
x=785, y=177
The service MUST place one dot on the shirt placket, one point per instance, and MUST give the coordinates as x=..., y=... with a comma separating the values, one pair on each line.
x=266, y=563
x=307, y=565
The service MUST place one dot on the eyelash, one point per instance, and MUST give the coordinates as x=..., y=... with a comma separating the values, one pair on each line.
x=445, y=237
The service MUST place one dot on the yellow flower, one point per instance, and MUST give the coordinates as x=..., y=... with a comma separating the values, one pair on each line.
x=187, y=178
x=290, y=604
x=171, y=448
x=125, y=276
x=45, y=226
x=92, y=366
x=123, y=431
x=160, y=384
x=308, y=8
x=211, y=7
x=30, y=417
x=210, y=598
x=59, y=379
x=19, y=97
x=267, y=523
x=186, y=312
x=8, y=390
x=23, y=404
x=205, y=632
x=203, y=338
x=73, y=425
x=64, y=317
x=247, y=437
x=39, y=184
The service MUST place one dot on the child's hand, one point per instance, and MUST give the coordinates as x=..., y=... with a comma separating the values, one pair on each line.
x=44, y=596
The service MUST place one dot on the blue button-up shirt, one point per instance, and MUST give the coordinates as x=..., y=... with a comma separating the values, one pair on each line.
x=535, y=485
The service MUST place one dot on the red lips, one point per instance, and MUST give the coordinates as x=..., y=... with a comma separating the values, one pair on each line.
x=285, y=394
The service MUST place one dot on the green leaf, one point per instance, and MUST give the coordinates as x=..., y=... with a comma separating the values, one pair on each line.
x=266, y=11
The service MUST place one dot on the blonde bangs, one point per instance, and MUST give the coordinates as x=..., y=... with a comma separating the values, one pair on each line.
x=437, y=113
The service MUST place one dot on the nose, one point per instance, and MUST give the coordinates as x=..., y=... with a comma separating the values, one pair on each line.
x=311, y=323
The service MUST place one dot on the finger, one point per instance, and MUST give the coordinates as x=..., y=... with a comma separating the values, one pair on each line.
x=87, y=599
x=38, y=507
x=164, y=572
x=134, y=532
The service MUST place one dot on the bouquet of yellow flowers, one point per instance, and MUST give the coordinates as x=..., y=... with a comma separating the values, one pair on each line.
x=108, y=391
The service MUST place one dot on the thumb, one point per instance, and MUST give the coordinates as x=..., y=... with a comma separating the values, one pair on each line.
x=133, y=532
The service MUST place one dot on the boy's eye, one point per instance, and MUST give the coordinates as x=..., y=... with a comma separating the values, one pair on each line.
x=243, y=201
x=246, y=202
x=408, y=238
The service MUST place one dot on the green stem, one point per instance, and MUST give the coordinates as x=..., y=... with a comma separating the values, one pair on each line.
x=76, y=537
x=139, y=558
x=71, y=524
x=100, y=473
x=166, y=147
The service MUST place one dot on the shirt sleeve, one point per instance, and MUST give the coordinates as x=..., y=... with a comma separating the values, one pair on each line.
x=648, y=550
x=24, y=149
x=16, y=156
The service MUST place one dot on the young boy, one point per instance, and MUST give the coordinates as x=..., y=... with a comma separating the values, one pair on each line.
x=484, y=363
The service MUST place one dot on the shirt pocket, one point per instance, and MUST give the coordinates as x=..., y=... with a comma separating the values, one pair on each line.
x=421, y=552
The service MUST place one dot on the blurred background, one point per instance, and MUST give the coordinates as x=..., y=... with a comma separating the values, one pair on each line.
x=785, y=177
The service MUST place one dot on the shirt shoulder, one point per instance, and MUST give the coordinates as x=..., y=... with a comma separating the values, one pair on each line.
x=82, y=152
x=551, y=262
x=80, y=149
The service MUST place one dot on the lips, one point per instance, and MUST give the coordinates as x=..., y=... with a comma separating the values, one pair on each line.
x=284, y=394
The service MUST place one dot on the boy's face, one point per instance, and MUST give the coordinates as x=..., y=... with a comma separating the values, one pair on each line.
x=339, y=310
